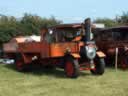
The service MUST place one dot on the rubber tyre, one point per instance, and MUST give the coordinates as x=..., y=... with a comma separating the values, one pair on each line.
x=71, y=67
x=20, y=65
x=124, y=62
x=99, y=66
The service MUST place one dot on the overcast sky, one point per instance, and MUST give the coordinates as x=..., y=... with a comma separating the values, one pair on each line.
x=66, y=10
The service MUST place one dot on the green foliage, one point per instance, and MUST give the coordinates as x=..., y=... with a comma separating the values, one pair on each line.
x=123, y=20
x=8, y=26
x=108, y=22
x=117, y=21
x=27, y=25
x=30, y=24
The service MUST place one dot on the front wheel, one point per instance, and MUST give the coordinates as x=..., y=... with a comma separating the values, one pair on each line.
x=99, y=66
x=71, y=67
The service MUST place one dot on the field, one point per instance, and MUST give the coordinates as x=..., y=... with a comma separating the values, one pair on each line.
x=54, y=83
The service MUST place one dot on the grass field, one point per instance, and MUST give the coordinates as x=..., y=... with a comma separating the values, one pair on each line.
x=54, y=83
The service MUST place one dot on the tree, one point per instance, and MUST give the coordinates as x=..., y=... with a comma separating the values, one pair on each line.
x=31, y=23
x=123, y=19
x=27, y=25
x=108, y=22
x=117, y=21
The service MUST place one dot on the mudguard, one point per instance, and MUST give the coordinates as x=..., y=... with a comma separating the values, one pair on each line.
x=75, y=55
x=100, y=54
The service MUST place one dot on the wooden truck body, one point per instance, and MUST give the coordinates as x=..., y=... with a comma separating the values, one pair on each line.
x=109, y=39
x=68, y=46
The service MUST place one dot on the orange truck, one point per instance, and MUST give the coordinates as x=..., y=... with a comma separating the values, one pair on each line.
x=67, y=46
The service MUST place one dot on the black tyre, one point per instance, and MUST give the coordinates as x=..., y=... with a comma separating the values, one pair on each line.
x=50, y=67
x=99, y=66
x=19, y=65
x=71, y=67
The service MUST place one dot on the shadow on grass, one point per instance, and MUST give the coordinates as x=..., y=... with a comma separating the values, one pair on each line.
x=119, y=68
x=56, y=72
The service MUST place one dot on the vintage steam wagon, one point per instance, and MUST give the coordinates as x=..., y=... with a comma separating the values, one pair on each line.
x=68, y=46
x=109, y=39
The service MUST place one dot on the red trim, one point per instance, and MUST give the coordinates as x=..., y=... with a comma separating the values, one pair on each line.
x=81, y=69
x=19, y=65
x=69, y=68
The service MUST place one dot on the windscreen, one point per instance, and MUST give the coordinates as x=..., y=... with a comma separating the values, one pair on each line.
x=65, y=35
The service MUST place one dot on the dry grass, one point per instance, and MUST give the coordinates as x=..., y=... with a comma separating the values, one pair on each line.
x=54, y=83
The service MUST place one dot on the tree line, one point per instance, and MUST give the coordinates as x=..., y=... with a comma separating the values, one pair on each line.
x=121, y=20
x=29, y=24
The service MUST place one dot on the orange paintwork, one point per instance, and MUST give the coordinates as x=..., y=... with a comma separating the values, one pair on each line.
x=45, y=50
x=27, y=59
x=81, y=43
x=100, y=54
x=30, y=47
x=59, y=49
x=49, y=50
x=75, y=55
x=78, y=38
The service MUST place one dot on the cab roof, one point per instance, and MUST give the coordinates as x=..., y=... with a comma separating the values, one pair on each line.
x=72, y=25
x=61, y=26
x=116, y=29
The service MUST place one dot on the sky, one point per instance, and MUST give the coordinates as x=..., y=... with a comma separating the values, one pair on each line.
x=65, y=10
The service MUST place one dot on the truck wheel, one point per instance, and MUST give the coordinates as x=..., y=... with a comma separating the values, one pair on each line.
x=71, y=67
x=99, y=66
x=19, y=65
x=124, y=62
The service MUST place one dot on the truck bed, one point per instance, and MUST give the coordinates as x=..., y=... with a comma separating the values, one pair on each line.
x=30, y=47
x=10, y=47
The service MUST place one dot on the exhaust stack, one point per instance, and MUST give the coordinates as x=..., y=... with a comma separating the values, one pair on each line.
x=87, y=27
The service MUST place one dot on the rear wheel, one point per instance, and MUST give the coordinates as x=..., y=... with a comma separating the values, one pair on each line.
x=71, y=67
x=19, y=62
x=20, y=65
x=99, y=66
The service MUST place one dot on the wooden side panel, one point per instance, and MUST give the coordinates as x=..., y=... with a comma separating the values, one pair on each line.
x=109, y=47
x=45, y=50
x=58, y=49
x=10, y=47
x=30, y=47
